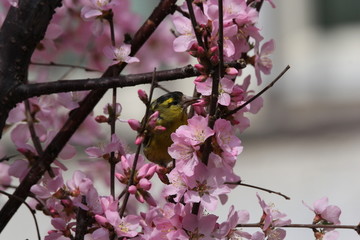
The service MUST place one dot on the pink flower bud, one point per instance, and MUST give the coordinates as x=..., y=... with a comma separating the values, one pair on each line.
x=213, y=50
x=214, y=59
x=139, y=197
x=199, y=67
x=193, y=53
x=144, y=184
x=200, y=110
x=132, y=189
x=153, y=118
x=194, y=47
x=143, y=170
x=101, y=220
x=149, y=199
x=201, y=78
x=134, y=124
x=151, y=171
x=66, y=202
x=143, y=96
x=121, y=177
x=101, y=119
x=159, y=129
x=200, y=51
x=200, y=102
x=139, y=140
x=124, y=163
x=231, y=71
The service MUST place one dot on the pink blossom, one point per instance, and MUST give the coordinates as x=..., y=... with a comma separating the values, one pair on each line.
x=164, y=223
x=96, y=8
x=19, y=168
x=62, y=230
x=141, y=184
x=49, y=185
x=79, y=184
x=325, y=212
x=71, y=100
x=205, y=186
x=120, y=54
x=115, y=145
x=184, y=153
x=228, y=228
x=225, y=137
x=197, y=131
x=177, y=186
x=98, y=234
x=124, y=227
x=331, y=235
x=187, y=36
x=225, y=89
x=199, y=225
x=262, y=61
x=272, y=217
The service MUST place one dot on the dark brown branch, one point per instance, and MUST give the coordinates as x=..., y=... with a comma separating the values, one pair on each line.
x=37, y=89
x=22, y=30
x=310, y=226
x=77, y=116
x=82, y=221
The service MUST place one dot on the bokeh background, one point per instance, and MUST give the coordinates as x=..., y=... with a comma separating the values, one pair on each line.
x=305, y=142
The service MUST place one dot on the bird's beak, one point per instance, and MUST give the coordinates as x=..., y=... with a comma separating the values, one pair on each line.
x=187, y=101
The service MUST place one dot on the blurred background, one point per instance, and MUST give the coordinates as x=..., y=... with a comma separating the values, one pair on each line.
x=305, y=142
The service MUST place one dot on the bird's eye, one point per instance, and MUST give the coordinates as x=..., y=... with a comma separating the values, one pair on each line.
x=174, y=102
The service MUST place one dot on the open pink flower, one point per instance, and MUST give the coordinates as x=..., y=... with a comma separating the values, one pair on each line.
x=124, y=227
x=272, y=217
x=324, y=211
x=96, y=8
x=120, y=54
x=263, y=62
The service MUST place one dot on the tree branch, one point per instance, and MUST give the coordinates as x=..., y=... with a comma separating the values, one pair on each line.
x=23, y=91
x=20, y=33
x=310, y=226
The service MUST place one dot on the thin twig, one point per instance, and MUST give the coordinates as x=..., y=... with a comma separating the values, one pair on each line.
x=185, y=14
x=30, y=122
x=53, y=64
x=194, y=23
x=34, y=137
x=28, y=206
x=143, y=126
x=112, y=114
x=256, y=187
x=257, y=95
x=311, y=226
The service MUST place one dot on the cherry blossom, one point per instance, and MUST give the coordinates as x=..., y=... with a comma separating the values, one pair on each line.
x=120, y=54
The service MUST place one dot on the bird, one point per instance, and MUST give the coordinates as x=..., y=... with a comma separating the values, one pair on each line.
x=172, y=108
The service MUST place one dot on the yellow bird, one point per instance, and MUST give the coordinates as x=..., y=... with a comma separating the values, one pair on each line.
x=172, y=114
